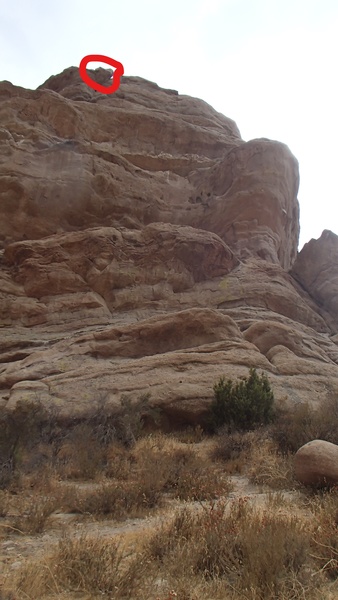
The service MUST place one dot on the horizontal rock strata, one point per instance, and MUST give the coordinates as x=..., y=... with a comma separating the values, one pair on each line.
x=145, y=247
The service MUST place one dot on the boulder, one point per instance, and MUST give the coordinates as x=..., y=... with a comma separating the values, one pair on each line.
x=316, y=463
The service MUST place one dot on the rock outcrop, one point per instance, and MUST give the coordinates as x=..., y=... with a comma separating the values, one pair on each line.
x=316, y=463
x=146, y=248
x=316, y=270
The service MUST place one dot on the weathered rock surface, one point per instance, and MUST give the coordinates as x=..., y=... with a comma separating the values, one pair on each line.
x=316, y=270
x=147, y=248
x=138, y=156
x=316, y=463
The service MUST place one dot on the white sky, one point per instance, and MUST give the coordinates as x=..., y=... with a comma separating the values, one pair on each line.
x=271, y=65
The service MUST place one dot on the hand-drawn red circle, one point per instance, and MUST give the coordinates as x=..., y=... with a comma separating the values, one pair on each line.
x=119, y=70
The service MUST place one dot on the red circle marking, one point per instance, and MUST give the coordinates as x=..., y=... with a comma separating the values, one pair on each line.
x=119, y=70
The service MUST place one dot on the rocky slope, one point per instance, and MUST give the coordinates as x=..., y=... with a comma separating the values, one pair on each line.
x=147, y=248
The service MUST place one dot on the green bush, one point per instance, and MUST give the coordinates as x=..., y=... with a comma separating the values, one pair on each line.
x=243, y=405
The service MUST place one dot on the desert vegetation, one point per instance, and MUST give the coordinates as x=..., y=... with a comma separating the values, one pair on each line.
x=116, y=510
x=242, y=405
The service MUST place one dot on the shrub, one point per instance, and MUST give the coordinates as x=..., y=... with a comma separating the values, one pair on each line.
x=255, y=551
x=182, y=473
x=261, y=554
x=117, y=500
x=4, y=503
x=189, y=435
x=325, y=538
x=84, y=565
x=34, y=513
x=83, y=457
x=122, y=423
x=270, y=467
x=19, y=428
x=233, y=448
x=119, y=461
x=166, y=538
x=244, y=405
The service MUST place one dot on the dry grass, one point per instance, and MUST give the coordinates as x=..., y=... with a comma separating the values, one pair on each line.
x=99, y=566
x=233, y=450
x=257, y=455
x=219, y=549
x=184, y=474
x=84, y=565
x=34, y=512
x=118, y=462
x=325, y=536
x=268, y=467
x=302, y=423
x=224, y=550
x=81, y=456
x=249, y=549
x=4, y=503
x=116, y=501
x=189, y=435
x=157, y=468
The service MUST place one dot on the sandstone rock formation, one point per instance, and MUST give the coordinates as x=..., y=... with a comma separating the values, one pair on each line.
x=146, y=248
x=316, y=463
x=316, y=270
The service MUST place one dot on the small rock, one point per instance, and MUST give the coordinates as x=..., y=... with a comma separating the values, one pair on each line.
x=9, y=549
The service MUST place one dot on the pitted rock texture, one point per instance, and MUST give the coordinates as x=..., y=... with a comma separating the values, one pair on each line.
x=147, y=248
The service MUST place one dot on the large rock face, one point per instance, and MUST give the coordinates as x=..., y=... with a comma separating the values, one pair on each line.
x=147, y=248
x=316, y=269
x=78, y=159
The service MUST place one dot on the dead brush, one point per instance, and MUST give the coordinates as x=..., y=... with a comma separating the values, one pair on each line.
x=260, y=554
x=325, y=536
x=268, y=467
x=189, y=435
x=85, y=565
x=118, y=501
x=201, y=484
x=33, y=513
x=4, y=503
x=164, y=540
x=233, y=449
x=96, y=565
x=297, y=425
x=119, y=462
x=80, y=456
x=43, y=481
x=182, y=473
x=223, y=549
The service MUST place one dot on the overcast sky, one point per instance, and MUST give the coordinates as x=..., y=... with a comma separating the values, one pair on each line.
x=271, y=65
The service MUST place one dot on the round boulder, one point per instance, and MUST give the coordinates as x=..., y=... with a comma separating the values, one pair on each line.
x=316, y=463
